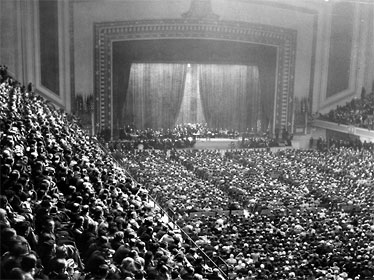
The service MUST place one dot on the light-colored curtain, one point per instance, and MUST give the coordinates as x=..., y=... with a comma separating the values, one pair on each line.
x=191, y=109
x=230, y=96
x=154, y=94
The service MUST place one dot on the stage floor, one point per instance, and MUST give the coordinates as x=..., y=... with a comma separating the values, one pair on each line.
x=217, y=143
x=226, y=144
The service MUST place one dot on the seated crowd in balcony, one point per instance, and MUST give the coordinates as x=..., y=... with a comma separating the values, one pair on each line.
x=358, y=112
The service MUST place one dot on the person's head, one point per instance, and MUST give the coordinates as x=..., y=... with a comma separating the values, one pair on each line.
x=215, y=271
x=23, y=228
x=47, y=249
x=49, y=225
x=28, y=263
x=198, y=276
x=79, y=222
x=128, y=264
x=119, y=235
x=174, y=274
x=16, y=274
x=61, y=266
x=148, y=256
x=102, y=271
x=190, y=270
x=61, y=252
x=164, y=269
x=133, y=254
x=140, y=245
x=8, y=233
x=17, y=248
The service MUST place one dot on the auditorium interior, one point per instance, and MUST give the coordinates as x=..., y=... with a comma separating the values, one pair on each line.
x=187, y=139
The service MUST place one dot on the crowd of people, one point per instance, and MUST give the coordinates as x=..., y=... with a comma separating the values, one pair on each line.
x=201, y=130
x=68, y=211
x=355, y=143
x=303, y=206
x=181, y=136
x=358, y=112
x=184, y=136
x=260, y=142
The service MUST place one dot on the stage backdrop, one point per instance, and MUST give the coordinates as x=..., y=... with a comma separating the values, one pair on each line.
x=229, y=95
x=245, y=72
x=154, y=95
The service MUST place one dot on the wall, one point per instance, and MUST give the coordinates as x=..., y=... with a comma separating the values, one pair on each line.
x=49, y=45
x=20, y=49
x=361, y=58
x=368, y=56
x=86, y=13
x=271, y=13
x=10, y=43
x=276, y=14
x=341, y=36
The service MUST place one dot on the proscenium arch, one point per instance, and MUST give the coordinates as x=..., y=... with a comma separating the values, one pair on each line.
x=106, y=33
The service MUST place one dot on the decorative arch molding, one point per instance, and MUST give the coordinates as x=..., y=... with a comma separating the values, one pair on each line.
x=105, y=33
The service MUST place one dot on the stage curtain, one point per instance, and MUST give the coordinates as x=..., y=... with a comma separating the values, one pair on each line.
x=120, y=84
x=191, y=110
x=154, y=94
x=230, y=95
x=266, y=72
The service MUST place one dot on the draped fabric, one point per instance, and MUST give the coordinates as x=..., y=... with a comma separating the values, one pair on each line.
x=191, y=110
x=266, y=99
x=121, y=83
x=154, y=94
x=230, y=95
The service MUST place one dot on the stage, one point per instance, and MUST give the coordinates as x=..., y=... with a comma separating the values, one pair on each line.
x=226, y=144
x=217, y=143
